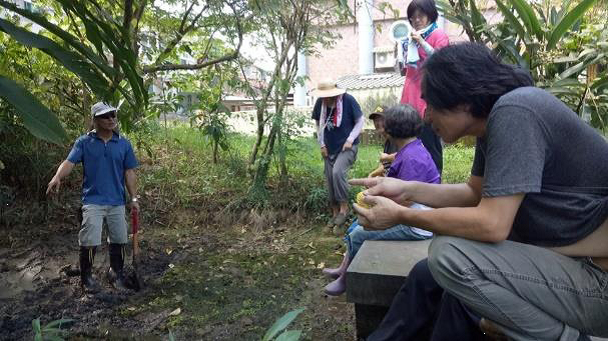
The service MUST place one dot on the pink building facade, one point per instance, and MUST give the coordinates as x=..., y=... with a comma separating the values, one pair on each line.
x=344, y=58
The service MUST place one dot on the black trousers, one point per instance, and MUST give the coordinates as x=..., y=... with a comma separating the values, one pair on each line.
x=432, y=143
x=421, y=310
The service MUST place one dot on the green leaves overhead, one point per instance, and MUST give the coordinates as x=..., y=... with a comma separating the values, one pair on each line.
x=39, y=120
x=104, y=58
x=563, y=44
x=527, y=15
x=531, y=27
x=562, y=27
x=521, y=32
x=72, y=61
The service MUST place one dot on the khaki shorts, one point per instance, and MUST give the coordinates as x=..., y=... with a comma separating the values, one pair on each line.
x=92, y=222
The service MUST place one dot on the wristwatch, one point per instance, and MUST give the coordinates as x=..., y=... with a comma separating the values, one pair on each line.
x=134, y=199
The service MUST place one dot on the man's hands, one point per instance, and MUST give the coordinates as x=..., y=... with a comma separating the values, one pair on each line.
x=397, y=190
x=388, y=198
x=135, y=206
x=383, y=214
x=64, y=169
x=55, y=183
x=347, y=146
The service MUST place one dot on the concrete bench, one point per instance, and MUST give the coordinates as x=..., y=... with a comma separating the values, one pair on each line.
x=376, y=274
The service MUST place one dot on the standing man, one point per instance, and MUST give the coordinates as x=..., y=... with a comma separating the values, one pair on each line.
x=339, y=121
x=109, y=163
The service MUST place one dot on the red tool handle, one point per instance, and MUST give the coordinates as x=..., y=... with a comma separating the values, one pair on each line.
x=135, y=220
x=135, y=225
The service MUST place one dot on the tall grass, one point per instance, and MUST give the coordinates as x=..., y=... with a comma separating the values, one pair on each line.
x=181, y=169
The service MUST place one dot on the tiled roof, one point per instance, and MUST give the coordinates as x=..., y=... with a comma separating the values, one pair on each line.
x=373, y=81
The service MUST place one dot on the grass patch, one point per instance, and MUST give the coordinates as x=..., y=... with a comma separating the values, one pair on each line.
x=183, y=172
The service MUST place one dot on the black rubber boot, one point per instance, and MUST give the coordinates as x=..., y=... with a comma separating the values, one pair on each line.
x=117, y=261
x=87, y=255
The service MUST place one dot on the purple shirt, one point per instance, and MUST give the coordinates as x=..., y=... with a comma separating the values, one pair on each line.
x=414, y=163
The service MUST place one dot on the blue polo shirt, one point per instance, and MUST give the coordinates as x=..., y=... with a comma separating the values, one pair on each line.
x=104, y=167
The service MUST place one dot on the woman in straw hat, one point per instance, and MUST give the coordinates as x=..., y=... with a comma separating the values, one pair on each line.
x=339, y=121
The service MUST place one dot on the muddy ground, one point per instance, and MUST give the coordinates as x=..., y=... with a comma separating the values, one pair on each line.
x=204, y=280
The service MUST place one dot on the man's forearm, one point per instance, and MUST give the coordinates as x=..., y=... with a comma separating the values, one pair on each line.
x=64, y=169
x=444, y=195
x=131, y=183
x=489, y=221
x=465, y=222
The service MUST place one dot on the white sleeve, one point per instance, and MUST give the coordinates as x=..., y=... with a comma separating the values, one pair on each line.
x=356, y=130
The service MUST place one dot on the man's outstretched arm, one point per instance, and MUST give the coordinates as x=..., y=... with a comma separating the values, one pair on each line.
x=64, y=169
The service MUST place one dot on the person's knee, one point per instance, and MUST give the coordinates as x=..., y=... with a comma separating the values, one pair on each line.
x=420, y=271
x=446, y=257
x=357, y=234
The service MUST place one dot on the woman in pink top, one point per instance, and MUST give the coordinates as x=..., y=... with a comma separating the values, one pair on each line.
x=426, y=37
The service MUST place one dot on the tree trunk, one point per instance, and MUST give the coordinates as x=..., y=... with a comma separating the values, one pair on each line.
x=262, y=105
x=215, y=144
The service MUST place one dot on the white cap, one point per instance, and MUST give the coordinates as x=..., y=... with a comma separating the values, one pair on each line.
x=101, y=108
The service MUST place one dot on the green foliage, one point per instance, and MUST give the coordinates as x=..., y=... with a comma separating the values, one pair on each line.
x=215, y=130
x=457, y=161
x=36, y=117
x=281, y=324
x=285, y=29
x=564, y=46
x=27, y=160
x=73, y=52
x=51, y=332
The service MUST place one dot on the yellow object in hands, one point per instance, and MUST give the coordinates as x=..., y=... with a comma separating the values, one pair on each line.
x=360, y=201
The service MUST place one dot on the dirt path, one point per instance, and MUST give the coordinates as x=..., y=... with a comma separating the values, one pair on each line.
x=202, y=283
x=36, y=283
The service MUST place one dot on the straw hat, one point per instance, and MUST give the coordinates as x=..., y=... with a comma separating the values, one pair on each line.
x=327, y=88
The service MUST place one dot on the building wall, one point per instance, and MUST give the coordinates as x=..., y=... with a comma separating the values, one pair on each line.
x=343, y=58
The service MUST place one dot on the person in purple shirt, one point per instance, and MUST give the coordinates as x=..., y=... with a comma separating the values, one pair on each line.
x=412, y=163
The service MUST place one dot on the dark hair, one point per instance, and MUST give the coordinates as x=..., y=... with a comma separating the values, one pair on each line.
x=469, y=73
x=425, y=6
x=402, y=121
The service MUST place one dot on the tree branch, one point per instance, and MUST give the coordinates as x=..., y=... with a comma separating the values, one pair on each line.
x=128, y=15
x=181, y=32
x=197, y=66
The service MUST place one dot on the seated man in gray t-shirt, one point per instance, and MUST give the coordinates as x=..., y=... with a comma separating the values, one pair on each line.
x=524, y=243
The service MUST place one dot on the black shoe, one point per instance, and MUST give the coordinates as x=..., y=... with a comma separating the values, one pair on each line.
x=87, y=255
x=116, y=272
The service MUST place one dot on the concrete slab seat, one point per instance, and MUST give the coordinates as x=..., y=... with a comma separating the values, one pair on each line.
x=375, y=276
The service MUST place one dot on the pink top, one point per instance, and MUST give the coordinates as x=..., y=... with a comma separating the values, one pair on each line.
x=413, y=76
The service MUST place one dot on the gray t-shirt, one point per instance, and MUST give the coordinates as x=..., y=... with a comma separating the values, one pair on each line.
x=535, y=144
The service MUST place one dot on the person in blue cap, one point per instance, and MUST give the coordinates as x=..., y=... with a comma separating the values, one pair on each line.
x=109, y=164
